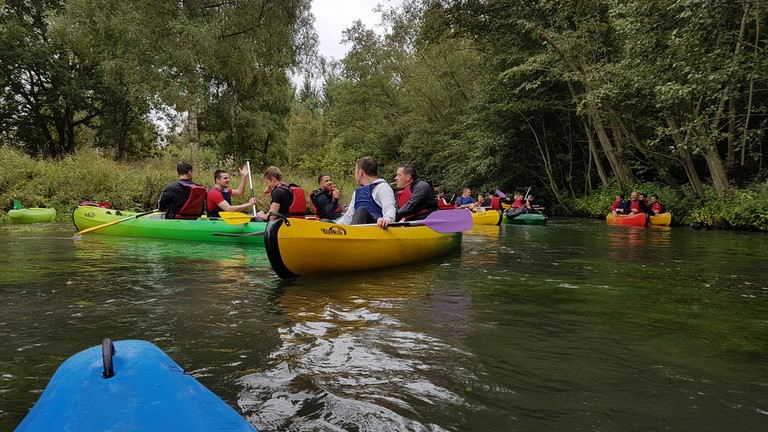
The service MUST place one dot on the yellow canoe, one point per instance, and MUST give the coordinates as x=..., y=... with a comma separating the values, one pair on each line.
x=661, y=219
x=297, y=247
x=488, y=217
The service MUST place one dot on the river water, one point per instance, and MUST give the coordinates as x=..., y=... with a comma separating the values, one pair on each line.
x=576, y=326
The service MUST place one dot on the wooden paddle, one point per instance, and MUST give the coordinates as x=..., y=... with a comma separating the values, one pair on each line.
x=235, y=218
x=442, y=221
x=97, y=227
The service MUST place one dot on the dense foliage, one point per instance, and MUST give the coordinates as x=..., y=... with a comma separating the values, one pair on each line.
x=578, y=99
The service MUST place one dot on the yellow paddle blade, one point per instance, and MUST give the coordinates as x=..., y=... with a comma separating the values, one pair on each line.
x=235, y=218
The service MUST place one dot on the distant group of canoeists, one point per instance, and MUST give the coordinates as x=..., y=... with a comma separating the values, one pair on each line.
x=637, y=203
x=514, y=206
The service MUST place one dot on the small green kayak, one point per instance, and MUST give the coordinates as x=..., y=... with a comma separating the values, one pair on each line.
x=154, y=226
x=21, y=215
x=527, y=219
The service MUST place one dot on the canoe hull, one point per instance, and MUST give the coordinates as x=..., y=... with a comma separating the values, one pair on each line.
x=528, y=219
x=151, y=226
x=661, y=219
x=148, y=391
x=488, y=217
x=300, y=248
x=637, y=219
x=32, y=215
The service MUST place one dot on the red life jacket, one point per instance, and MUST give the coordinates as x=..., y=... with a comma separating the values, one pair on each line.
x=298, y=207
x=517, y=204
x=402, y=198
x=193, y=208
x=442, y=206
x=496, y=203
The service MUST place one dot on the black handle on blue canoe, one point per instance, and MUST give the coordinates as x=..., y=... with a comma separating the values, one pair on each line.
x=107, y=352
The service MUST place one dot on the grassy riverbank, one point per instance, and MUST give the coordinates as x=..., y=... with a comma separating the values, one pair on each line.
x=745, y=209
x=62, y=184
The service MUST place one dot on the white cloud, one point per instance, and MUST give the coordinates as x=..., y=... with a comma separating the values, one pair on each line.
x=334, y=16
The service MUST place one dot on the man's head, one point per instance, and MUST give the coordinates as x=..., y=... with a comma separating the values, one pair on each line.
x=641, y=197
x=634, y=196
x=467, y=192
x=221, y=178
x=366, y=166
x=324, y=181
x=406, y=174
x=274, y=177
x=184, y=169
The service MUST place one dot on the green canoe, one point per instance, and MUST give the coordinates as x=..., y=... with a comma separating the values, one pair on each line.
x=32, y=215
x=153, y=226
x=527, y=219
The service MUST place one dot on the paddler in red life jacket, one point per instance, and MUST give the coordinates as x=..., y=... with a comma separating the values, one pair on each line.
x=415, y=198
x=182, y=199
x=656, y=206
x=635, y=206
x=325, y=199
x=220, y=196
x=286, y=200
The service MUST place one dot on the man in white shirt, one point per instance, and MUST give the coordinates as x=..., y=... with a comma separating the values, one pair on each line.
x=373, y=201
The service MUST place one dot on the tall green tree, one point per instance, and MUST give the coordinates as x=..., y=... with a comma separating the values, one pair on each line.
x=46, y=92
x=195, y=54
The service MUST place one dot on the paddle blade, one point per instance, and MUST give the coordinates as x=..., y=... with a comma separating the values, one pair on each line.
x=448, y=221
x=500, y=194
x=235, y=218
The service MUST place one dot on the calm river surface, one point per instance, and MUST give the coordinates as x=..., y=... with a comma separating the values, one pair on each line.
x=576, y=326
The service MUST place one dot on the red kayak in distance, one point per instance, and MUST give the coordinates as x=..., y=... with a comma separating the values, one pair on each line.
x=637, y=219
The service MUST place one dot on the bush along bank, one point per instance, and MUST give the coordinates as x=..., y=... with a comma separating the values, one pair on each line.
x=745, y=209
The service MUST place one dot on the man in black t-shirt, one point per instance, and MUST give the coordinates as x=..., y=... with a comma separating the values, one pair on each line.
x=281, y=193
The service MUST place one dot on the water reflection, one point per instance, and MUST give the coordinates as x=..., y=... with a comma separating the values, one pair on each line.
x=354, y=346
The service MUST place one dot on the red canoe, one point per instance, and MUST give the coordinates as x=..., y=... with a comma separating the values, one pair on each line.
x=637, y=219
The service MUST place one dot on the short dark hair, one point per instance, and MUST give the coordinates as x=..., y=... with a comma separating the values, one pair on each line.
x=217, y=174
x=320, y=177
x=368, y=165
x=655, y=196
x=183, y=168
x=410, y=170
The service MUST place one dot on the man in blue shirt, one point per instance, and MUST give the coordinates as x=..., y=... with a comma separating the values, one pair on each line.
x=465, y=200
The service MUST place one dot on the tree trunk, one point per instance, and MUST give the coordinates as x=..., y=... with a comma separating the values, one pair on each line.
x=194, y=138
x=717, y=170
x=731, y=153
x=619, y=166
x=686, y=159
x=632, y=137
x=621, y=169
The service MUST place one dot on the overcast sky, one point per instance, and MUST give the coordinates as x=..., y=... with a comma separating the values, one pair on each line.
x=334, y=16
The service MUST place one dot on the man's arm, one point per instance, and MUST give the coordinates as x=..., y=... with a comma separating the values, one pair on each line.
x=385, y=197
x=346, y=218
x=241, y=187
x=165, y=198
